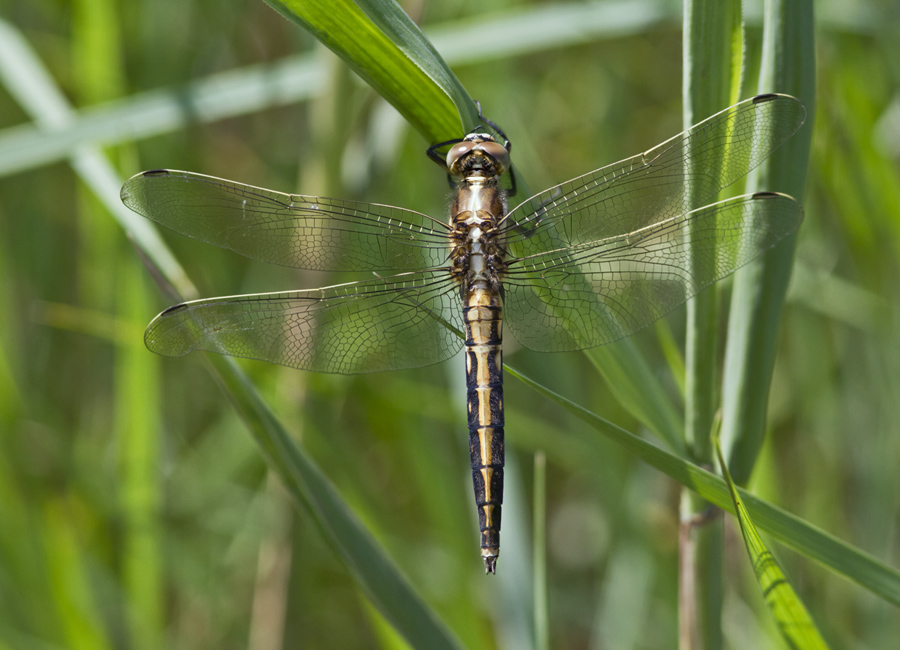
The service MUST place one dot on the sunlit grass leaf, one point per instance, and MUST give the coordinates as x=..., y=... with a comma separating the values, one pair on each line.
x=794, y=622
x=384, y=47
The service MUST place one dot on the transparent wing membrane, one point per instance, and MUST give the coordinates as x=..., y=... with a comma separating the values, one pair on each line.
x=602, y=291
x=306, y=232
x=672, y=178
x=401, y=321
x=589, y=261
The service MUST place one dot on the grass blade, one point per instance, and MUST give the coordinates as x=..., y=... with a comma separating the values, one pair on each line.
x=760, y=287
x=794, y=622
x=636, y=387
x=384, y=47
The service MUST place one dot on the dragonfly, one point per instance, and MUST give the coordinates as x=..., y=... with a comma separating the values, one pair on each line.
x=582, y=264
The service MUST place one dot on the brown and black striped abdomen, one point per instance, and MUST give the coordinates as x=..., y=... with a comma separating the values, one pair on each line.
x=484, y=391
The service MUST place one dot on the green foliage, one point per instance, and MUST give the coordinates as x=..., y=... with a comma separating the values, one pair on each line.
x=136, y=511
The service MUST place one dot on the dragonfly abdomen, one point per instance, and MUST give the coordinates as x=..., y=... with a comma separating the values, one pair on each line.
x=484, y=393
x=478, y=265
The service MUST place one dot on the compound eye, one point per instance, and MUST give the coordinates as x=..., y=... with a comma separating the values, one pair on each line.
x=458, y=151
x=498, y=152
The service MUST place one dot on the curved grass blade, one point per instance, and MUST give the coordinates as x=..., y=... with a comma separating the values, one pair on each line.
x=788, y=529
x=404, y=33
x=794, y=622
x=384, y=47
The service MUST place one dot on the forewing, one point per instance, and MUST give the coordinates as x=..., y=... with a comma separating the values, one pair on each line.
x=401, y=321
x=675, y=177
x=596, y=293
x=306, y=232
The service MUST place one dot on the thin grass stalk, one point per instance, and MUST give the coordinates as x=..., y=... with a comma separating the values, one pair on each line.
x=139, y=429
x=713, y=49
x=541, y=617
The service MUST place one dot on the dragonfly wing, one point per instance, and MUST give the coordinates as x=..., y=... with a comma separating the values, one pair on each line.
x=307, y=232
x=400, y=321
x=596, y=293
x=681, y=174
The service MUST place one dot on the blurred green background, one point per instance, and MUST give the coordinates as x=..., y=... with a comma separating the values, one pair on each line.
x=136, y=512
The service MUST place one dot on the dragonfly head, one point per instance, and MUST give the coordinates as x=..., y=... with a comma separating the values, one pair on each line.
x=478, y=152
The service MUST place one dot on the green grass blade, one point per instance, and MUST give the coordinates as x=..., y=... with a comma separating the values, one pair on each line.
x=68, y=572
x=99, y=56
x=397, y=25
x=788, y=529
x=384, y=47
x=794, y=622
x=218, y=96
x=534, y=28
x=760, y=287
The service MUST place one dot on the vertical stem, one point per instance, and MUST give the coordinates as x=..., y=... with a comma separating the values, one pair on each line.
x=541, y=627
x=138, y=424
x=713, y=57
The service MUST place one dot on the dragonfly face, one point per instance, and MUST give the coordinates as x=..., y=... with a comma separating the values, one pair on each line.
x=582, y=264
x=478, y=151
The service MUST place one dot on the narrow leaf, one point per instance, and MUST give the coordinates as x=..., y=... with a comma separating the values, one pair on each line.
x=760, y=287
x=794, y=622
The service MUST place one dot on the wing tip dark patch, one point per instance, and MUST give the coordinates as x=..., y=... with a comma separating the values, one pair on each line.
x=173, y=309
x=765, y=97
x=768, y=196
x=152, y=173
